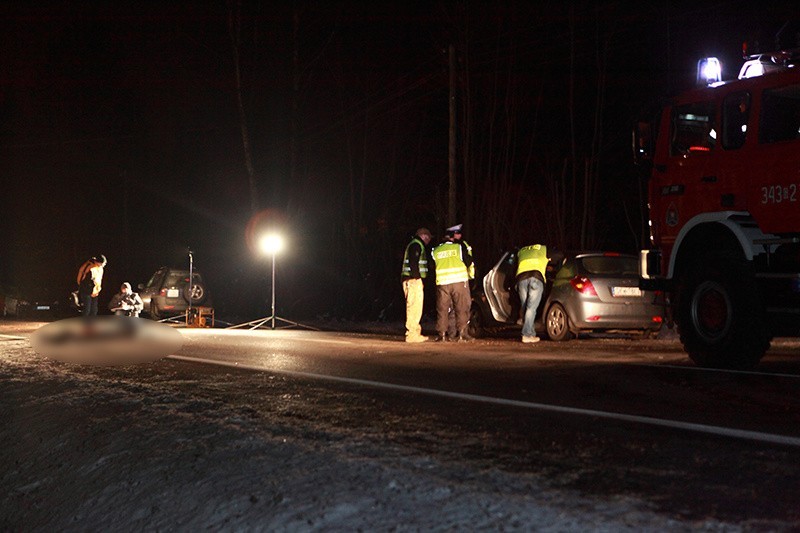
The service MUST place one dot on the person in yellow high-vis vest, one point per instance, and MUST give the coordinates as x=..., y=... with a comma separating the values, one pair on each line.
x=415, y=270
x=458, y=237
x=531, y=268
x=452, y=287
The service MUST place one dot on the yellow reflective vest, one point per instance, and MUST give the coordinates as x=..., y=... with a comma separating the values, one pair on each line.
x=532, y=258
x=423, y=260
x=450, y=266
x=471, y=268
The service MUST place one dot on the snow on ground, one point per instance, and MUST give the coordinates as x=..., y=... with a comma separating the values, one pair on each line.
x=150, y=447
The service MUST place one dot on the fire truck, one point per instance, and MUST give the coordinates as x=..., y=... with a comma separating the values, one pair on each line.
x=723, y=165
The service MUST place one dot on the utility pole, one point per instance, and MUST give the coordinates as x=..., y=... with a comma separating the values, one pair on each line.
x=451, y=160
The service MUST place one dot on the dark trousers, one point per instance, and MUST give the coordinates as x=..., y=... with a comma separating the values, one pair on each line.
x=89, y=304
x=457, y=297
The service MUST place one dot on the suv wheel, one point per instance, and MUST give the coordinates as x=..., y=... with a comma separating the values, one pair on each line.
x=195, y=293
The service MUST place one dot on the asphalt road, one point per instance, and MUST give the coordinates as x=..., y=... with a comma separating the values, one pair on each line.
x=615, y=378
x=610, y=416
x=599, y=415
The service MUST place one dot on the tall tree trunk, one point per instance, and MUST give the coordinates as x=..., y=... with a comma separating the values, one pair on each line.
x=293, y=148
x=451, y=150
x=573, y=141
x=235, y=31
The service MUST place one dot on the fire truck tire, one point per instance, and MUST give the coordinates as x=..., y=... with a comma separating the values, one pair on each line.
x=719, y=313
x=557, y=323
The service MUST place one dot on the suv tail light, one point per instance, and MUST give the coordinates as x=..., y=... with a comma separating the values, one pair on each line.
x=583, y=285
x=162, y=292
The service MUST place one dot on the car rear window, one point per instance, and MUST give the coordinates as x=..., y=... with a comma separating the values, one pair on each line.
x=610, y=265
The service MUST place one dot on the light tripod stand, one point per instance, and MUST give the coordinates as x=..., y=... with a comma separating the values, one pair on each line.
x=271, y=244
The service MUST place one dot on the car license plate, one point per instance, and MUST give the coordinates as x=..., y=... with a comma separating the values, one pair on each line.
x=173, y=293
x=42, y=307
x=625, y=291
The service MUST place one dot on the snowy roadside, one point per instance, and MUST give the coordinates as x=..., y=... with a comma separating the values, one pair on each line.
x=153, y=447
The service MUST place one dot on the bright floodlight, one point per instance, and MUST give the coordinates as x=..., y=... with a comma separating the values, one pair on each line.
x=271, y=244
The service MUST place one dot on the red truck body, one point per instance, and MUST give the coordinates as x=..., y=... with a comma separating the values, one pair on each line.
x=724, y=204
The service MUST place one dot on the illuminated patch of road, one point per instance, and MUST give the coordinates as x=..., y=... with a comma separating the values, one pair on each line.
x=720, y=431
x=272, y=335
x=11, y=337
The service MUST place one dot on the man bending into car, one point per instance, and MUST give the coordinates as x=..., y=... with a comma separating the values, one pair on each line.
x=530, y=286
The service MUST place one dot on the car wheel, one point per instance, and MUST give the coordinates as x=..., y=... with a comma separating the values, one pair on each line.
x=154, y=314
x=195, y=293
x=557, y=323
x=475, y=326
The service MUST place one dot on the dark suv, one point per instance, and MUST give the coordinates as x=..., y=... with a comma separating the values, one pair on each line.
x=169, y=292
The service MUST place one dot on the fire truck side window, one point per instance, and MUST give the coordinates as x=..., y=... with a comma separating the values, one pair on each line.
x=735, y=112
x=693, y=128
x=780, y=114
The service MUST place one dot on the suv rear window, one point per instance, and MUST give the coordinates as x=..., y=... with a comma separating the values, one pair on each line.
x=611, y=265
x=175, y=279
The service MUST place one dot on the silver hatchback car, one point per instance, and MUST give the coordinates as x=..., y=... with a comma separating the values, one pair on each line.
x=585, y=292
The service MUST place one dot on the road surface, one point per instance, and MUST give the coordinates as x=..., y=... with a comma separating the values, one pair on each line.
x=610, y=417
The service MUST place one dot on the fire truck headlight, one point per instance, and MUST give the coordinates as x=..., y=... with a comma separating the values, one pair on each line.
x=709, y=70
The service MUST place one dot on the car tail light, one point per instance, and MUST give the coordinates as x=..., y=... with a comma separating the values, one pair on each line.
x=658, y=319
x=594, y=318
x=162, y=292
x=583, y=285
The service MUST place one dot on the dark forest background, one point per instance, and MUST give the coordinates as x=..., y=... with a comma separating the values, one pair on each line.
x=144, y=130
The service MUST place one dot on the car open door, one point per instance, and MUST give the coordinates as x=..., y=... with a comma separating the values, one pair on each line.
x=497, y=284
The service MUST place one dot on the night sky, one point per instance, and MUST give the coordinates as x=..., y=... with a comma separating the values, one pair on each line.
x=120, y=134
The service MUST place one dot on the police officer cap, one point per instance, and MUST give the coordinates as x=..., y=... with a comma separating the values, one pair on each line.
x=454, y=229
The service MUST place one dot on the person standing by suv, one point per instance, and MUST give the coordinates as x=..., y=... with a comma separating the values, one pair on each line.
x=452, y=286
x=415, y=270
x=90, y=283
x=530, y=286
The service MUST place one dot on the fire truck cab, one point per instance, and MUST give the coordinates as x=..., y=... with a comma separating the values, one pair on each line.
x=724, y=211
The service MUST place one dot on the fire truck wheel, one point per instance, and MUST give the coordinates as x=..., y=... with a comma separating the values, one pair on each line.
x=557, y=323
x=720, y=315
